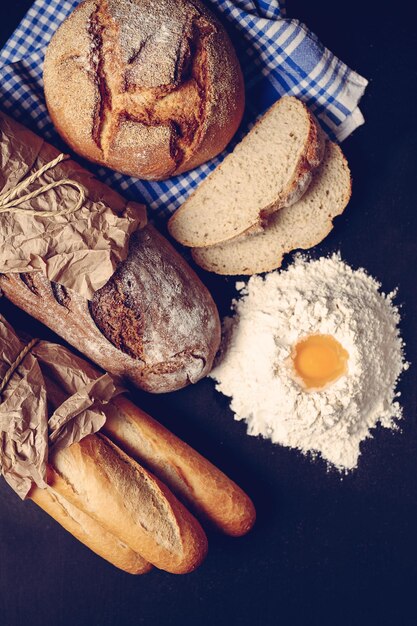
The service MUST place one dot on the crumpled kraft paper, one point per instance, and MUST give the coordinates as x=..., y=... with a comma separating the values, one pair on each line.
x=52, y=400
x=79, y=250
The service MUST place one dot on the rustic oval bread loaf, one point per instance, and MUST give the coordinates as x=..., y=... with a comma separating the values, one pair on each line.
x=154, y=322
x=148, y=89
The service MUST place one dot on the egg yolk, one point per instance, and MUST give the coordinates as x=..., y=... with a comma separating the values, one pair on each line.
x=319, y=360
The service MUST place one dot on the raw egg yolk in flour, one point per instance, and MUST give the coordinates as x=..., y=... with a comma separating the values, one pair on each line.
x=319, y=360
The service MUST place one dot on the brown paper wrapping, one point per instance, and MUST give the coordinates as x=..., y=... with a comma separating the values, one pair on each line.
x=80, y=250
x=52, y=400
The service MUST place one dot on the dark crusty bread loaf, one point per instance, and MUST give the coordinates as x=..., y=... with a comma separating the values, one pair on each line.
x=154, y=322
x=189, y=475
x=151, y=89
x=104, y=482
x=89, y=531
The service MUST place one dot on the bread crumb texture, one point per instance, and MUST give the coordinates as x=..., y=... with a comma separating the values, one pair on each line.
x=269, y=169
x=302, y=225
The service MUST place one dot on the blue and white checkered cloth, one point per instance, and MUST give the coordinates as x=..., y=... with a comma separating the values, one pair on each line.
x=278, y=56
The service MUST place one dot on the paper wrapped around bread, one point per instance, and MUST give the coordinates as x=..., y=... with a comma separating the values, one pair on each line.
x=78, y=249
x=56, y=398
x=25, y=430
x=151, y=320
x=88, y=483
x=29, y=429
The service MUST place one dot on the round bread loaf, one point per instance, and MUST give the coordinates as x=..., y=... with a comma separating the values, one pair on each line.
x=151, y=89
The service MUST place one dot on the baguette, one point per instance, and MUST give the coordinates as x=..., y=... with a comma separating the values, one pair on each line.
x=119, y=502
x=269, y=169
x=104, y=482
x=190, y=476
x=89, y=532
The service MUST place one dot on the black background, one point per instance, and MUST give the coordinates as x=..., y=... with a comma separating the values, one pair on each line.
x=325, y=549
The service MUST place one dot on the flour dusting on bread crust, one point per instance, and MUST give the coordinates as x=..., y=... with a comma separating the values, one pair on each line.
x=177, y=329
x=162, y=89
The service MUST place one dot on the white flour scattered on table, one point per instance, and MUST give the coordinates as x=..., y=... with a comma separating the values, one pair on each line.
x=313, y=297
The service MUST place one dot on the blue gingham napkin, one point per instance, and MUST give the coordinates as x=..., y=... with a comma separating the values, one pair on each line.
x=278, y=56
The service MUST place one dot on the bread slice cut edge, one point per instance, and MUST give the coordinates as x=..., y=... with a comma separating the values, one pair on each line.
x=289, y=229
x=241, y=211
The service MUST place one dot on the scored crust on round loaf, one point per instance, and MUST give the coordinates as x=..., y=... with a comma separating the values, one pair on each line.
x=149, y=89
x=302, y=225
x=269, y=169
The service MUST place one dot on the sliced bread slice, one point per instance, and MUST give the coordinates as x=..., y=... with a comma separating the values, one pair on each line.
x=302, y=225
x=269, y=169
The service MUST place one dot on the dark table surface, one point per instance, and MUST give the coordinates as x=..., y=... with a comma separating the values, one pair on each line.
x=325, y=550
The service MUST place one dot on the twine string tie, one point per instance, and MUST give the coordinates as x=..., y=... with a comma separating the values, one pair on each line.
x=11, y=200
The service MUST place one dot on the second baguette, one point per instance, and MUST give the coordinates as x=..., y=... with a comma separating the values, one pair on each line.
x=192, y=477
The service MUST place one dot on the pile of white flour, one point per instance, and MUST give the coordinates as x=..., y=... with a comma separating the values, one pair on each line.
x=313, y=297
